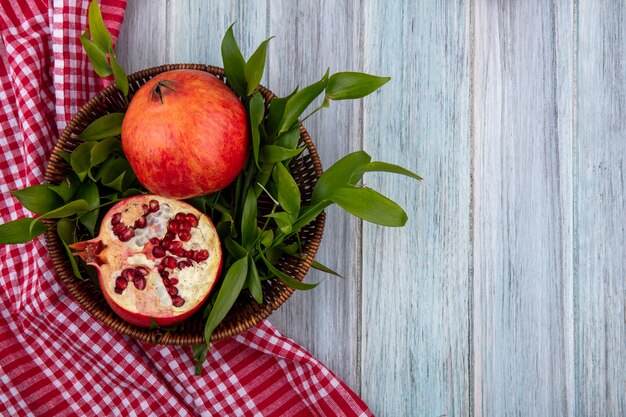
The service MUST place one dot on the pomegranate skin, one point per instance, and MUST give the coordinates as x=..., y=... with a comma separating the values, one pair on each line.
x=185, y=134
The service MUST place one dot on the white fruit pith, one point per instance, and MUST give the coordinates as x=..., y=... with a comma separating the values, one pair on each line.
x=139, y=280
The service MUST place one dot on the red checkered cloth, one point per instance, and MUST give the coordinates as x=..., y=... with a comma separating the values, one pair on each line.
x=55, y=359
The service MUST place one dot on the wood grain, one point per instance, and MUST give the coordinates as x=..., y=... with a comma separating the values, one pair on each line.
x=601, y=209
x=310, y=37
x=415, y=350
x=523, y=309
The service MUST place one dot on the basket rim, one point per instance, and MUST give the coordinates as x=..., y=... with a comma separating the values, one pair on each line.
x=83, y=290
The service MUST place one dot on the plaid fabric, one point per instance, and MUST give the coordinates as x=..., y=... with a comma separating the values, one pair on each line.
x=55, y=359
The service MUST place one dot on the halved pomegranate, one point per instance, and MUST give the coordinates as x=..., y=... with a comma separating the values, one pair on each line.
x=157, y=258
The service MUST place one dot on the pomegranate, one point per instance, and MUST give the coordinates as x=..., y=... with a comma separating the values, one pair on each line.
x=185, y=134
x=157, y=258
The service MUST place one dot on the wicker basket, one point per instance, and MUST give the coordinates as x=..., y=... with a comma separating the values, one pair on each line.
x=306, y=169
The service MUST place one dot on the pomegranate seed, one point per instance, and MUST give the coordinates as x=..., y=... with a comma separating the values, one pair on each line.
x=160, y=268
x=158, y=252
x=178, y=301
x=116, y=219
x=127, y=235
x=176, y=244
x=184, y=264
x=141, y=271
x=166, y=244
x=201, y=255
x=154, y=206
x=181, y=217
x=189, y=254
x=118, y=229
x=173, y=226
x=172, y=291
x=184, y=227
x=121, y=283
x=145, y=209
x=184, y=236
x=164, y=274
x=118, y=290
x=155, y=240
x=170, y=236
x=140, y=223
x=173, y=281
x=192, y=220
x=128, y=274
x=140, y=283
x=169, y=262
x=177, y=251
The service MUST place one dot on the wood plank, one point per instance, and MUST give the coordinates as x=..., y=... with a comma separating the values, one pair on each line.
x=311, y=36
x=523, y=308
x=601, y=209
x=415, y=280
x=144, y=35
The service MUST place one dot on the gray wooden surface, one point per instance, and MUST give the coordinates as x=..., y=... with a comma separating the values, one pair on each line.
x=505, y=293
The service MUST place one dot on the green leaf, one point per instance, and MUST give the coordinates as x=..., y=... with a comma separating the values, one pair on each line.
x=351, y=85
x=385, y=167
x=234, y=249
x=116, y=174
x=103, y=149
x=274, y=153
x=96, y=56
x=74, y=207
x=308, y=214
x=97, y=29
x=290, y=138
x=67, y=189
x=19, y=231
x=254, y=282
x=103, y=127
x=255, y=66
x=297, y=104
x=283, y=221
x=286, y=279
x=340, y=174
x=117, y=183
x=369, y=205
x=65, y=230
x=248, y=220
x=81, y=159
x=256, y=113
x=199, y=355
x=234, y=64
x=89, y=193
x=229, y=291
x=288, y=193
x=121, y=81
x=39, y=198
x=267, y=238
x=276, y=112
x=324, y=268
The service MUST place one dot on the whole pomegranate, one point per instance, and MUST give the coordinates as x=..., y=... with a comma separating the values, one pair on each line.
x=185, y=134
x=157, y=258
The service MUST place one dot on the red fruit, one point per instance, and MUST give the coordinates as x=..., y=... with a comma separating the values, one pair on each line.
x=192, y=220
x=129, y=273
x=185, y=134
x=185, y=236
x=140, y=223
x=158, y=251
